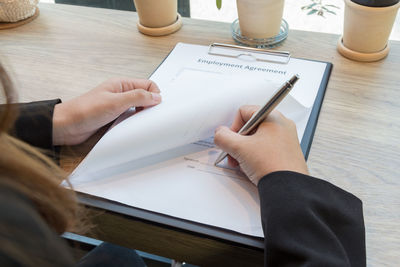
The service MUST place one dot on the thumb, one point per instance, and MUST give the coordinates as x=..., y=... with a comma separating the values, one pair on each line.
x=140, y=98
x=228, y=141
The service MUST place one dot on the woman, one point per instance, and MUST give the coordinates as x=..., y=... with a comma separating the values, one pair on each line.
x=306, y=221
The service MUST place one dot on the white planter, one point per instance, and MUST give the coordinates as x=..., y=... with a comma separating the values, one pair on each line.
x=16, y=10
x=260, y=18
x=366, y=31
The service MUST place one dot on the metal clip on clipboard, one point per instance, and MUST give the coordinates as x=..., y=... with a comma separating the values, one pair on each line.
x=258, y=54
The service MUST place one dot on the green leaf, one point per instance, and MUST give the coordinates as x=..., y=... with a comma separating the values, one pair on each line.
x=308, y=6
x=332, y=12
x=333, y=6
x=218, y=3
x=329, y=11
x=312, y=12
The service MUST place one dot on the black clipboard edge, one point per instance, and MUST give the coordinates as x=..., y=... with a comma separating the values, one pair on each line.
x=309, y=132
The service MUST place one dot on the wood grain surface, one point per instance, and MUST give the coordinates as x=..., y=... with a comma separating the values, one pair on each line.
x=68, y=50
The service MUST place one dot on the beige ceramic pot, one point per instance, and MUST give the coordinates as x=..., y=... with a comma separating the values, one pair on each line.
x=366, y=31
x=156, y=13
x=158, y=17
x=260, y=18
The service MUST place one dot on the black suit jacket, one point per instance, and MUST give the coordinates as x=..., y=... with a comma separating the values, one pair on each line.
x=306, y=221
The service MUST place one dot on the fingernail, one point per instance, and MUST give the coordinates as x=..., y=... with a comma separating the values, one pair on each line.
x=156, y=97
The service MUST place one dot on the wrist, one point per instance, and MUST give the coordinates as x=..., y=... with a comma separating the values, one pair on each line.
x=59, y=125
x=295, y=166
x=67, y=125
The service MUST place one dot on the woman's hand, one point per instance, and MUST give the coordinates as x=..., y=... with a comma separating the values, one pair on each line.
x=76, y=120
x=273, y=147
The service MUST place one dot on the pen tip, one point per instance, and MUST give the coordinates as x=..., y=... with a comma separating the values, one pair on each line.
x=219, y=159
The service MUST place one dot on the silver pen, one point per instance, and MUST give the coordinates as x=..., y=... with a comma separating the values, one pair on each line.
x=263, y=112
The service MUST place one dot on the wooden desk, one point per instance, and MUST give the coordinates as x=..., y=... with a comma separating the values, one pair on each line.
x=69, y=50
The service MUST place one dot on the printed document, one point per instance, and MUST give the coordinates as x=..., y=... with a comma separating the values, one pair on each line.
x=161, y=159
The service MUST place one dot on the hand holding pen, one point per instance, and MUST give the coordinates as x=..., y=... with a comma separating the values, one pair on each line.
x=274, y=146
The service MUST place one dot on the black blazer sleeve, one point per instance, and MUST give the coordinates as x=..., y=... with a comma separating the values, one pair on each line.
x=310, y=222
x=34, y=124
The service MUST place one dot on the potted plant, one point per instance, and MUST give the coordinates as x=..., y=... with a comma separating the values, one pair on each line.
x=259, y=19
x=367, y=27
x=158, y=17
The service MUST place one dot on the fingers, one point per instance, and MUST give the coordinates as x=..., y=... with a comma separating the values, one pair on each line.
x=242, y=116
x=276, y=116
x=131, y=84
x=140, y=98
x=228, y=141
x=276, y=119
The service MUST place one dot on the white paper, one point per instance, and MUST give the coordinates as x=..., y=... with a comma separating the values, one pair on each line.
x=194, y=104
x=147, y=160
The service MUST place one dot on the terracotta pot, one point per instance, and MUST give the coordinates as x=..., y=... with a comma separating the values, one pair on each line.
x=260, y=18
x=366, y=31
x=156, y=13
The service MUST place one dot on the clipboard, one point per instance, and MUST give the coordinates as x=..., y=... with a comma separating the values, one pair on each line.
x=201, y=229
